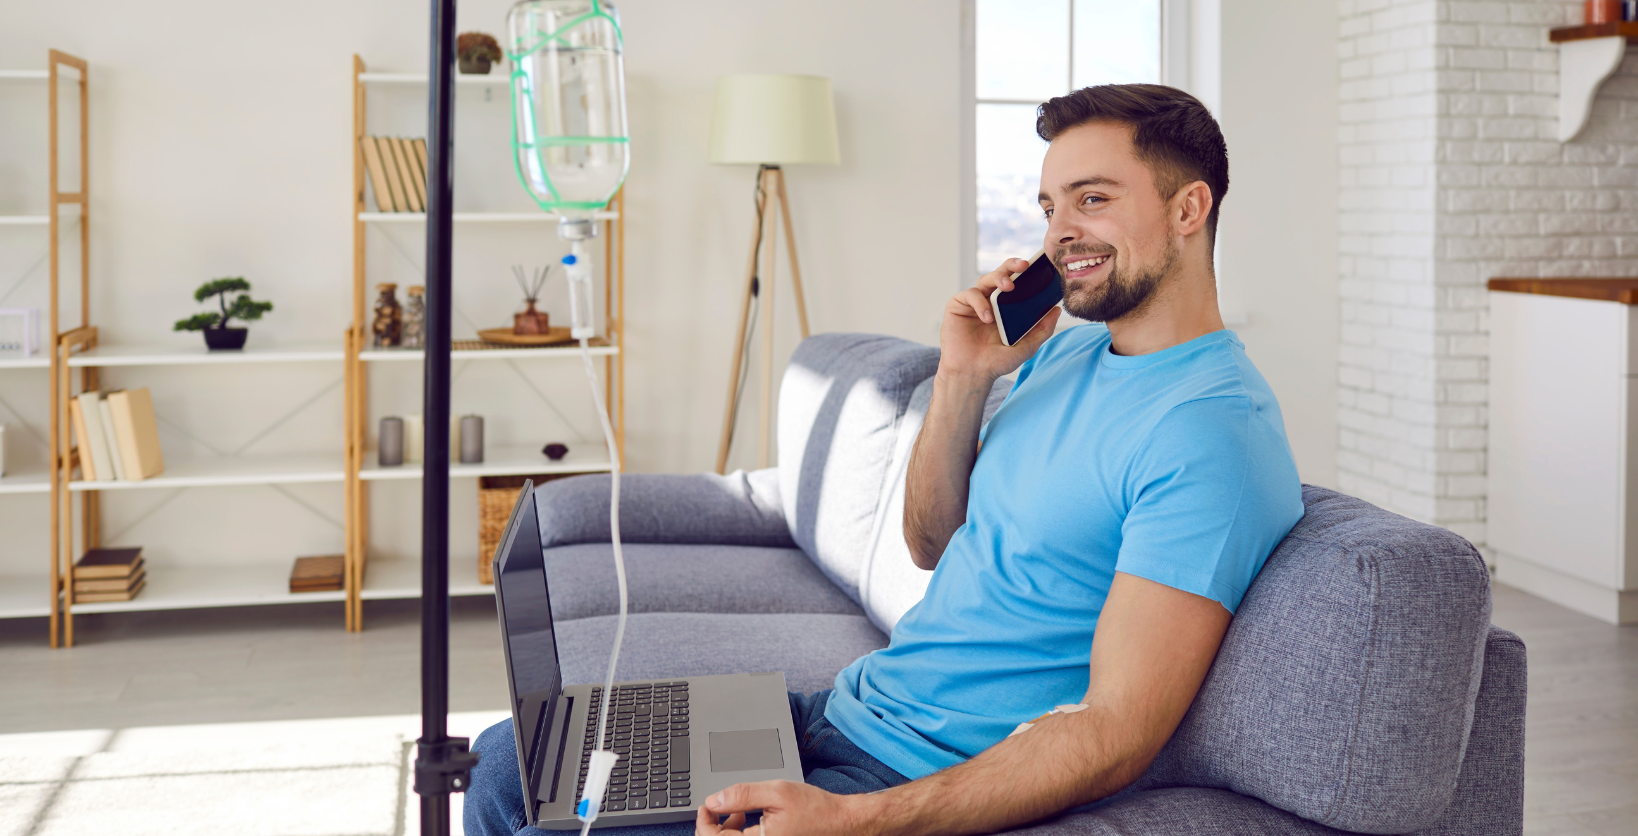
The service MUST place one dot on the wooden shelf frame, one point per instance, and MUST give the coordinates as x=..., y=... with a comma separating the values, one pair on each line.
x=61, y=344
x=359, y=355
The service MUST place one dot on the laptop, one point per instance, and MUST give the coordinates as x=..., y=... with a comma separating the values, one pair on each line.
x=679, y=740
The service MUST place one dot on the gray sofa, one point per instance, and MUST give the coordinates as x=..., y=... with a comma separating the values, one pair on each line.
x=1361, y=687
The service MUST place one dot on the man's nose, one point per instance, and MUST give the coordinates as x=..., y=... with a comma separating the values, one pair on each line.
x=1060, y=232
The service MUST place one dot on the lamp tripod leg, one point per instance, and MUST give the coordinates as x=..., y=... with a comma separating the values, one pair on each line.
x=738, y=358
x=790, y=246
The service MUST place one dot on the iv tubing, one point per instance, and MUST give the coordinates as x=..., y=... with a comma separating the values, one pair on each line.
x=619, y=574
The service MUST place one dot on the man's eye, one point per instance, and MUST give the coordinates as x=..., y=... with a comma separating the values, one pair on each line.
x=1046, y=213
x=1089, y=199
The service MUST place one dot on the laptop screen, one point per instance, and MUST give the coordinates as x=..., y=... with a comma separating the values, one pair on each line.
x=531, y=649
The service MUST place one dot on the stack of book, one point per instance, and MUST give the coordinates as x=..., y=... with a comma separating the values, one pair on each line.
x=109, y=575
x=316, y=574
x=116, y=436
x=398, y=172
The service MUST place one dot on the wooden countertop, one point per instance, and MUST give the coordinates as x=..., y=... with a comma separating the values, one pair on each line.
x=1624, y=291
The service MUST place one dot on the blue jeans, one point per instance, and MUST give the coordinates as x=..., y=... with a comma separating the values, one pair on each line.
x=494, y=803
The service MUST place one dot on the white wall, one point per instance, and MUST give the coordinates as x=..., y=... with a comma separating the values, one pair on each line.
x=1278, y=232
x=220, y=146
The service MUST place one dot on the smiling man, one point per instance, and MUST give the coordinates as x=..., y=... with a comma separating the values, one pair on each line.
x=1090, y=543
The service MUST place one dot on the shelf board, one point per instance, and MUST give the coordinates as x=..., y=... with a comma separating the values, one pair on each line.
x=25, y=75
x=24, y=596
x=477, y=217
x=504, y=460
x=167, y=355
x=25, y=220
x=1565, y=34
x=421, y=77
x=230, y=470
x=193, y=587
x=389, y=355
x=384, y=579
x=12, y=361
x=26, y=483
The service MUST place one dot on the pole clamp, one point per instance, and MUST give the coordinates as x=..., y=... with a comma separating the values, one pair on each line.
x=443, y=767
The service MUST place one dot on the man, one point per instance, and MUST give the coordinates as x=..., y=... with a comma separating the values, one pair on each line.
x=1091, y=542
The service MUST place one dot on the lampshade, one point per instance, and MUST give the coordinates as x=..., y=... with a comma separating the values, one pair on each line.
x=780, y=119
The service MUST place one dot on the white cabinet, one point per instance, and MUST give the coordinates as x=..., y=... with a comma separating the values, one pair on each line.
x=1563, y=460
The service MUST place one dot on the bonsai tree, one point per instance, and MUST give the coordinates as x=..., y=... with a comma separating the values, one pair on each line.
x=242, y=307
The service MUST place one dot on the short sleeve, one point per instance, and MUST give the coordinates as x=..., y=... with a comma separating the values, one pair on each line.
x=1211, y=494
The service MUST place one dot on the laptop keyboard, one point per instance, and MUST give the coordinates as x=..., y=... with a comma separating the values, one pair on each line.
x=648, y=729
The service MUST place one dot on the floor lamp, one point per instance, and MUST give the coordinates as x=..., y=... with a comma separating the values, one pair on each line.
x=770, y=121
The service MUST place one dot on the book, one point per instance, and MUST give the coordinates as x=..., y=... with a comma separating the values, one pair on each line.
x=113, y=441
x=104, y=597
x=417, y=165
x=82, y=441
x=378, y=175
x=101, y=457
x=404, y=177
x=109, y=563
x=420, y=146
x=110, y=584
x=321, y=573
x=132, y=413
x=394, y=185
x=412, y=170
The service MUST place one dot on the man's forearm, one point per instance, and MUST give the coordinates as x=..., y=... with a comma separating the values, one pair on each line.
x=1062, y=762
x=941, y=464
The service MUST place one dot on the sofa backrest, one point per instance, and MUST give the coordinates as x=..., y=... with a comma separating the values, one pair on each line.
x=841, y=403
x=890, y=584
x=1344, y=690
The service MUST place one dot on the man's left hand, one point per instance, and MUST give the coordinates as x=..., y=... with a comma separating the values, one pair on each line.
x=788, y=809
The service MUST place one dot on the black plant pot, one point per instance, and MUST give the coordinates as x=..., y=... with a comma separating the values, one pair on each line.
x=226, y=339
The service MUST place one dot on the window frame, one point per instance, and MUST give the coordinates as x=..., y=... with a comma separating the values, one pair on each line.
x=1176, y=47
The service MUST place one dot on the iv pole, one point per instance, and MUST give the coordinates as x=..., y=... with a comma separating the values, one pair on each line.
x=443, y=764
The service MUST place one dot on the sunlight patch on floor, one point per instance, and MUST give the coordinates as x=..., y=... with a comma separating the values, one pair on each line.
x=291, y=778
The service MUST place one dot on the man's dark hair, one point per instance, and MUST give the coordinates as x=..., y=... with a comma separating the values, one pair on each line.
x=1172, y=133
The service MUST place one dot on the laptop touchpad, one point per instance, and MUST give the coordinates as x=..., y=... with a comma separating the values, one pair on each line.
x=735, y=751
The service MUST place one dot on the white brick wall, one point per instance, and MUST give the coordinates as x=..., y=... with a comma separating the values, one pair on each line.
x=1451, y=176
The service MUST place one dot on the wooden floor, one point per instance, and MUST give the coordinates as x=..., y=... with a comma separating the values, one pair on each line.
x=288, y=663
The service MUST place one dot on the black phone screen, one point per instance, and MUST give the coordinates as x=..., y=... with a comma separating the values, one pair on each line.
x=1033, y=293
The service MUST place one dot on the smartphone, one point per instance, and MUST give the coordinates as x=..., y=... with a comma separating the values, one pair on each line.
x=1034, y=292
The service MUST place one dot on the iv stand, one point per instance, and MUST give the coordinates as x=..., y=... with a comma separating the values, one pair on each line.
x=443, y=764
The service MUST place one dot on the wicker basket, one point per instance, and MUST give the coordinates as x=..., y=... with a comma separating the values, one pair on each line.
x=496, y=496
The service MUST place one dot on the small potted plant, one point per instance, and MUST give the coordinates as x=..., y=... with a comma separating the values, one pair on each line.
x=213, y=323
x=475, y=51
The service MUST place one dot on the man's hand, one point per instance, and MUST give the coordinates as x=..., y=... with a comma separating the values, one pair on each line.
x=968, y=341
x=788, y=809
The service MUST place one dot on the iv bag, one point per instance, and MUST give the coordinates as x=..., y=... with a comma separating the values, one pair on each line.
x=569, y=137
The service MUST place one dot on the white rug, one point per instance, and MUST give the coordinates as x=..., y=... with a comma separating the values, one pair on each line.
x=334, y=777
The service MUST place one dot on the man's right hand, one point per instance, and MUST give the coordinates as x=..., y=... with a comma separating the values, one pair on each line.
x=969, y=344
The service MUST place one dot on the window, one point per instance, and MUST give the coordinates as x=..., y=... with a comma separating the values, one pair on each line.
x=1028, y=51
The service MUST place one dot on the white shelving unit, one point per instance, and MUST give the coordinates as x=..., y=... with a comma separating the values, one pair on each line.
x=106, y=356
x=508, y=460
x=395, y=576
x=477, y=217
x=25, y=596
x=229, y=471
x=25, y=220
x=39, y=361
x=194, y=587
x=414, y=355
x=26, y=482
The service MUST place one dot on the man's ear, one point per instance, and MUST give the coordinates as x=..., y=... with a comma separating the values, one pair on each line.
x=1190, y=208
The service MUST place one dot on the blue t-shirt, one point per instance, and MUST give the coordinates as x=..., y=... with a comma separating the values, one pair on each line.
x=1171, y=466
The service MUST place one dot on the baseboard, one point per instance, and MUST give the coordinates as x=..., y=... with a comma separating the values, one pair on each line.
x=1600, y=602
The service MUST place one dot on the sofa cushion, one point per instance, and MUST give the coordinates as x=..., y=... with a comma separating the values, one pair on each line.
x=840, y=405
x=1344, y=690
x=1184, y=810
x=810, y=649
x=689, y=578
x=741, y=509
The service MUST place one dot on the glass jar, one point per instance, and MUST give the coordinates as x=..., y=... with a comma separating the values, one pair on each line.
x=389, y=317
x=415, y=317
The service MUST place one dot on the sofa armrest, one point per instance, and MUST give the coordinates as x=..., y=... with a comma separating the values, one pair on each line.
x=740, y=509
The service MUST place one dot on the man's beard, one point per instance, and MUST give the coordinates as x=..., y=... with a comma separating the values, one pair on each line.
x=1119, y=294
